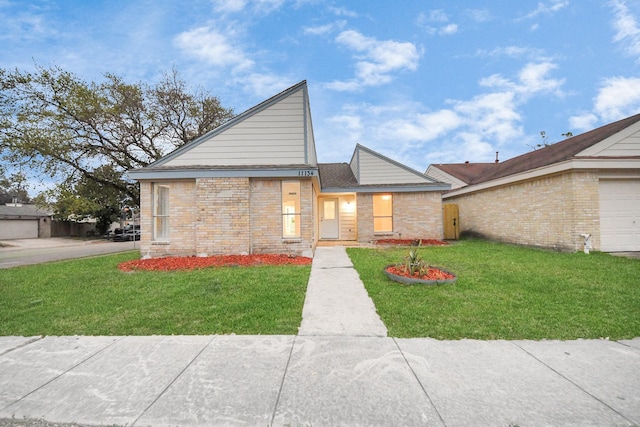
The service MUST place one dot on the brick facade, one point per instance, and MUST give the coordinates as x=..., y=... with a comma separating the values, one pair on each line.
x=211, y=216
x=415, y=215
x=551, y=211
x=266, y=219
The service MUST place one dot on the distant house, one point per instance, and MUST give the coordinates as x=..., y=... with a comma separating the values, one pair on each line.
x=23, y=221
x=585, y=185
x=254, y=185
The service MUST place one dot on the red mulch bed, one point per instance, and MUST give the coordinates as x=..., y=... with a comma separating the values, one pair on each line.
x=432, y=274
x=192, y=262
x=408, y=242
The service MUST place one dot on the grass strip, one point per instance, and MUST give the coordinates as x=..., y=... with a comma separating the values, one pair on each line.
x=507, y=292
x=92, y=297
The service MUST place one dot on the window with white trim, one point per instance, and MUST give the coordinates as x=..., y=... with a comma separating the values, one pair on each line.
x=160, y=212
x=291, y=209
x=382, y=213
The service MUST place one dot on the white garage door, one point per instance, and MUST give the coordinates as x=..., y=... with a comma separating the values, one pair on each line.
x=18, y=229
x=620, y=215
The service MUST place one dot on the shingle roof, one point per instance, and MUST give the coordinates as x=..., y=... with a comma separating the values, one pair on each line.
x=23, y=211
x=336, y=175
x=555, y=153
x=465, y=172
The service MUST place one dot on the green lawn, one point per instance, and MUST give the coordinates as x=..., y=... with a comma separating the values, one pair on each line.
x=507, y=292
x=92, y=297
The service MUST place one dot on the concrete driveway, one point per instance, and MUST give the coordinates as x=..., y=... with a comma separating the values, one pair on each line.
x=14, y=253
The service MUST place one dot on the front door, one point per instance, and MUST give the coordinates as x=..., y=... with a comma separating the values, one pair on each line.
x=329, y=227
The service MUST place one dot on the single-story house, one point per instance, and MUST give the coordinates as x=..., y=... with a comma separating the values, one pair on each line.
x=254, y=185
x=24, y=221
x=587, y=185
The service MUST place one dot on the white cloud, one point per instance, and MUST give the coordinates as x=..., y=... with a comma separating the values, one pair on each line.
x=626, y=27
x=265, y=85
x=618, y=98
x=513, y=52
x=424, y=127
x=325, y=29
x=229, y=6
x=466, y=129
x=479, y=15
x=436, y=16
x=532, y=79
x=341, y=11
x=449, y=29
x=547, y=8
x=213, y=47
x=377, y=60
x=235, y=6
x=583, y=122
x=351, y=126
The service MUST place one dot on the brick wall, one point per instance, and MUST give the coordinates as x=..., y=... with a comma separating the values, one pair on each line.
x=266, y=218
x=551, y=211
x=223, y=216
x=415, y=215
x=182, y=197
x=211, y=216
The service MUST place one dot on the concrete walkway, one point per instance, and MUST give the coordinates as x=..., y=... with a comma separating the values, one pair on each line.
x=332, y=373
x=336, y=302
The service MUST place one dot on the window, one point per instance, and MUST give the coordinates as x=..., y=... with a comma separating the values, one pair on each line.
x=160, y=212
x=291, y=209
x=382, y=213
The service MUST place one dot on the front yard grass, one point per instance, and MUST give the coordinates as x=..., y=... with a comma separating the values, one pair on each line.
x=507, y=292
x=92, y=297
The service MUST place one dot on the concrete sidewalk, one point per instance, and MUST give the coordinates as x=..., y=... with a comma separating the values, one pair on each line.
x=294, y=380
x=340, y=370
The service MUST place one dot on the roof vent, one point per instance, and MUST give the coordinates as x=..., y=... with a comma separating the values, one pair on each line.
x=497, y=160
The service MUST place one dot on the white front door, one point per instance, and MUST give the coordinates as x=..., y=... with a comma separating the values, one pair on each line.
x=329, y=227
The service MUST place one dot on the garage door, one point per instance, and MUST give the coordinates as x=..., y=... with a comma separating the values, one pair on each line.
x=18, y=229
x=620, y=215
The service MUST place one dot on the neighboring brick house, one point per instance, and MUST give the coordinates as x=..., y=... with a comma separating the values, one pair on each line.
x=253, y=185
x=587, y=184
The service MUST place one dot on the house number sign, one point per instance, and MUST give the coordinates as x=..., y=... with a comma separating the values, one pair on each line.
x=307, y=173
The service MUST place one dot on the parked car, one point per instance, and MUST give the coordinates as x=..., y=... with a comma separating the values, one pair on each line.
x=128, y=233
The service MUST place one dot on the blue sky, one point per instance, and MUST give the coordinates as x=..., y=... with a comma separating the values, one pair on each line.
x=419, y=81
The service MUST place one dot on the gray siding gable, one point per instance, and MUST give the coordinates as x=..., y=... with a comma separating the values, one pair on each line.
x=275, y=132
x=625, y=143
x=372, y=168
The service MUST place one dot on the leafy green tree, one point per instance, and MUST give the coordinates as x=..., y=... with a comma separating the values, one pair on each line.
x=88, y=198
x=54, y=123
x=14, y=187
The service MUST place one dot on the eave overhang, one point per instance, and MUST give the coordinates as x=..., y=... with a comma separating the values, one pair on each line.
x=387, y=188
x=584, y=163
x=240, y=172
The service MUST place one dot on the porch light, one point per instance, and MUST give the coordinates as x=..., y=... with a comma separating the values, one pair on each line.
x=348, y=206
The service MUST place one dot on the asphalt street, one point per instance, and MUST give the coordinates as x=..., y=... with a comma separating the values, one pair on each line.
x=14, y=253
